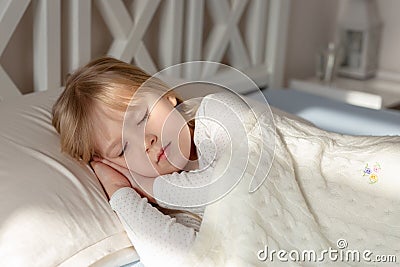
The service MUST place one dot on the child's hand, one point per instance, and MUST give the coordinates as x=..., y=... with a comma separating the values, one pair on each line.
x=146, y=183
x=111, y=179
x=121, y=169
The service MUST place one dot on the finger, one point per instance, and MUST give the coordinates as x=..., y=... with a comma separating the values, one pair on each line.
x=99, y=168
x=123, y=171
x=94, y=165
x=108, y=174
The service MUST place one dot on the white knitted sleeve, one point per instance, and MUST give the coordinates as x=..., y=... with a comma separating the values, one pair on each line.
x=150, y=231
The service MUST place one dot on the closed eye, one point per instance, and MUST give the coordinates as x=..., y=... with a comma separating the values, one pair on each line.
x=123, y=150
x=146, y=115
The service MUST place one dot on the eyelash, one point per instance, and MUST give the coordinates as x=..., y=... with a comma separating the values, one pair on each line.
x=146, y=115
x=123, y=150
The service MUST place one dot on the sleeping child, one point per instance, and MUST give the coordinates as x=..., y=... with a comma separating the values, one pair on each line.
x=145, y=144
x=162, y=160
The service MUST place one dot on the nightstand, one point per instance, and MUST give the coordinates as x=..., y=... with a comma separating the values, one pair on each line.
x=374, y=93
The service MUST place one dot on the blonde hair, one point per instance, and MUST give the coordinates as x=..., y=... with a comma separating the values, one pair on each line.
x=108, y=81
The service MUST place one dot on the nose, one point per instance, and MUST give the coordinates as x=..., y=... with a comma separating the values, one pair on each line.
x=150, y=140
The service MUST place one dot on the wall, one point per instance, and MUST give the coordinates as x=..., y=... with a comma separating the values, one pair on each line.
x=311, y=28
x=389, y=59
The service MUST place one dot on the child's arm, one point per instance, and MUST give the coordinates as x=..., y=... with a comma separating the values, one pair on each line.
x=150, y=231
x=165, y=187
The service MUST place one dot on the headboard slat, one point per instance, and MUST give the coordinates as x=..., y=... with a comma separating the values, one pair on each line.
x=11, y=13
x=79, y=33
x=47, y=45
x=170, y=53
x=194, y=36
x=142, y=56
x=153, y=34
x=225, y=35
x=256, y=29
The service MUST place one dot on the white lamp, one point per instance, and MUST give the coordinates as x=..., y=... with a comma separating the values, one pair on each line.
x=359, y=32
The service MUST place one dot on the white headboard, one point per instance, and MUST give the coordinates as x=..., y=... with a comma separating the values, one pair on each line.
x=248, y=35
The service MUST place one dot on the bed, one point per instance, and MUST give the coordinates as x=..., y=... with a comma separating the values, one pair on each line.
x=53, y=209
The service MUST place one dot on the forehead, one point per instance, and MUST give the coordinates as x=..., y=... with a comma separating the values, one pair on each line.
x=145, y=96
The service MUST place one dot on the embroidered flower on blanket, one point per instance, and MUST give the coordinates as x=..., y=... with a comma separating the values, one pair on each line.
x=372, y=173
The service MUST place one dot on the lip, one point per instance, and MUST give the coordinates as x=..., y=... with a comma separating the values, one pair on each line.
x=162, y=152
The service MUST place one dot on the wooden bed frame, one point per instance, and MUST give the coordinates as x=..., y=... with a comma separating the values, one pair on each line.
x=247, y=35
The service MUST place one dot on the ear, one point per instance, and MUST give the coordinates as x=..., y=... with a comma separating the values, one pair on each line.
x=172, y=99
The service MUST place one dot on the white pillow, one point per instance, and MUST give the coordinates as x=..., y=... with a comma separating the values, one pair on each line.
x=53, y=209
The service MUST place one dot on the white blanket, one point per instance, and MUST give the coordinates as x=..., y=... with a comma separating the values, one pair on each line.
x=324, y=192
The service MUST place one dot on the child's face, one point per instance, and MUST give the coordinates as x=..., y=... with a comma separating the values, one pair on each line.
x=142, y=139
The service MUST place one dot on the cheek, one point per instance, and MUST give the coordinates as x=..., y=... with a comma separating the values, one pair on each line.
x=137, y=159
x=177, y=131
x=179, y=152
x=185, y=141
x=139, y=162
